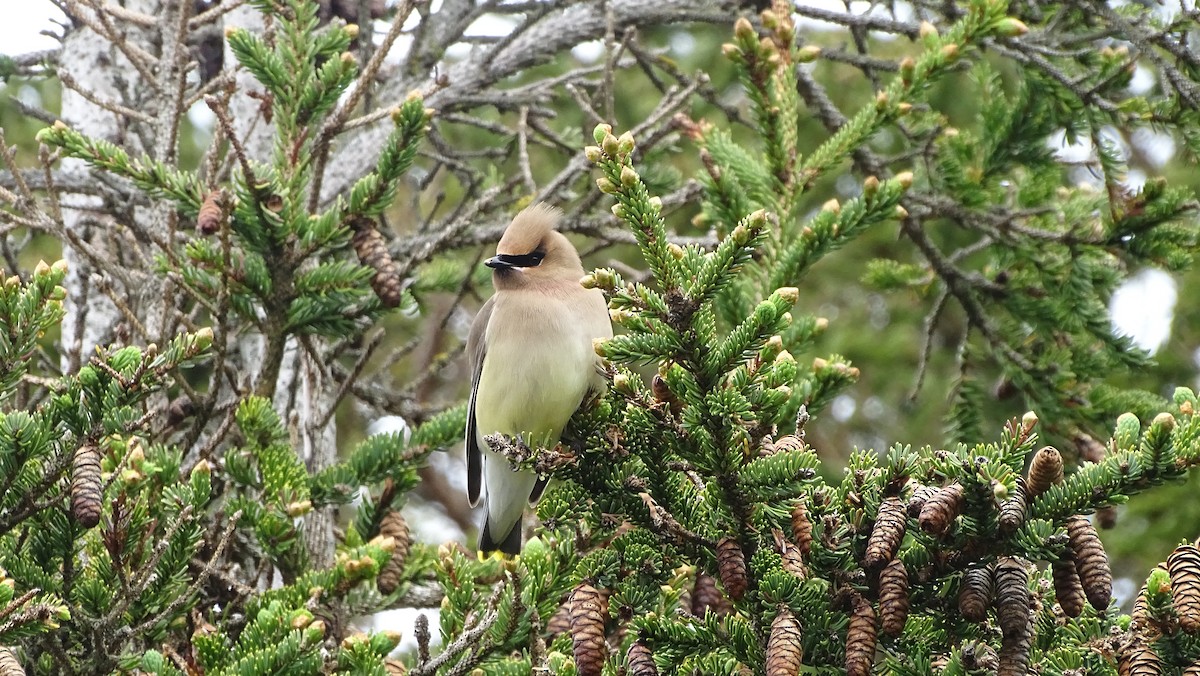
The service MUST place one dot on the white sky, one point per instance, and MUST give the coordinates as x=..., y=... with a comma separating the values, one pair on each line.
x=23, y=22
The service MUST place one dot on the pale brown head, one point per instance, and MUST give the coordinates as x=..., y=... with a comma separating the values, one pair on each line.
x=532, y=252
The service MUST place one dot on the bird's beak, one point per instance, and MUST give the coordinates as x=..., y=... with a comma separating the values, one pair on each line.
x=498, y=262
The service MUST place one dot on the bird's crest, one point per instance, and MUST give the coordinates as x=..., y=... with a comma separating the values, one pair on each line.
x=529, y=229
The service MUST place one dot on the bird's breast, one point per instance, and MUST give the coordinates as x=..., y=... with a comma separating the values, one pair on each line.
x=536, y=372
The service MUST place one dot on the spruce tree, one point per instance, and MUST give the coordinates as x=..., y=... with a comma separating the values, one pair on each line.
x=696, y=524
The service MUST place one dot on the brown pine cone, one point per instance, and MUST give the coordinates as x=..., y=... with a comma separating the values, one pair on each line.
x=1106, y=517
x=787, y=443
x=588, y=614
x=802, y=528
x=1090, y=562
x=860, y=638
x=706, y=596
x=9, y=664
x=893, y=598
x=1012, y=511
x=975, y=594
x=663, y=393
x=1184, y=567
x=1089, y=449
x=1140, y=615
x=887, y=534
x=1045, y=470
x=1139, y=659
x=560, y=621
x=1012, y=595
x=394, y=526
x=213, y=212
x=785, y=647
x=85, y=486
x=1013, y=659
x=640, y=660
x=731, y=564
x=373, y=253
x=793, y=562
x=919, y=497
x=1068, y=590
x=940, y=510
x=1013, y=616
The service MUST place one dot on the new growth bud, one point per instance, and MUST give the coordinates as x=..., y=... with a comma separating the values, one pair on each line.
x=870, y=186
x=611, y=146
x=808, y=54
x=625, y=143
x=742, y=29
x=629, y=177
x=204, y=338
x=790, y=294
x=1011, y=28
x=1165, y=420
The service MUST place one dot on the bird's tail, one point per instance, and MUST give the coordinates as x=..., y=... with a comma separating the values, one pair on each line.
x=509, y=544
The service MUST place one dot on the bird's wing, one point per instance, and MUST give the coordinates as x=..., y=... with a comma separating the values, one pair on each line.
x=476, y=351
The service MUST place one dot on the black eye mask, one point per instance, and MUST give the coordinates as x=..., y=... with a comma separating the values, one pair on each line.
x=505, y=261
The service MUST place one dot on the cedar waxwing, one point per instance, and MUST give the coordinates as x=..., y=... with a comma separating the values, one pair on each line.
x=532, y=364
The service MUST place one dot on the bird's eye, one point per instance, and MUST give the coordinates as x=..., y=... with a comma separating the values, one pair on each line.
x=537, y=257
